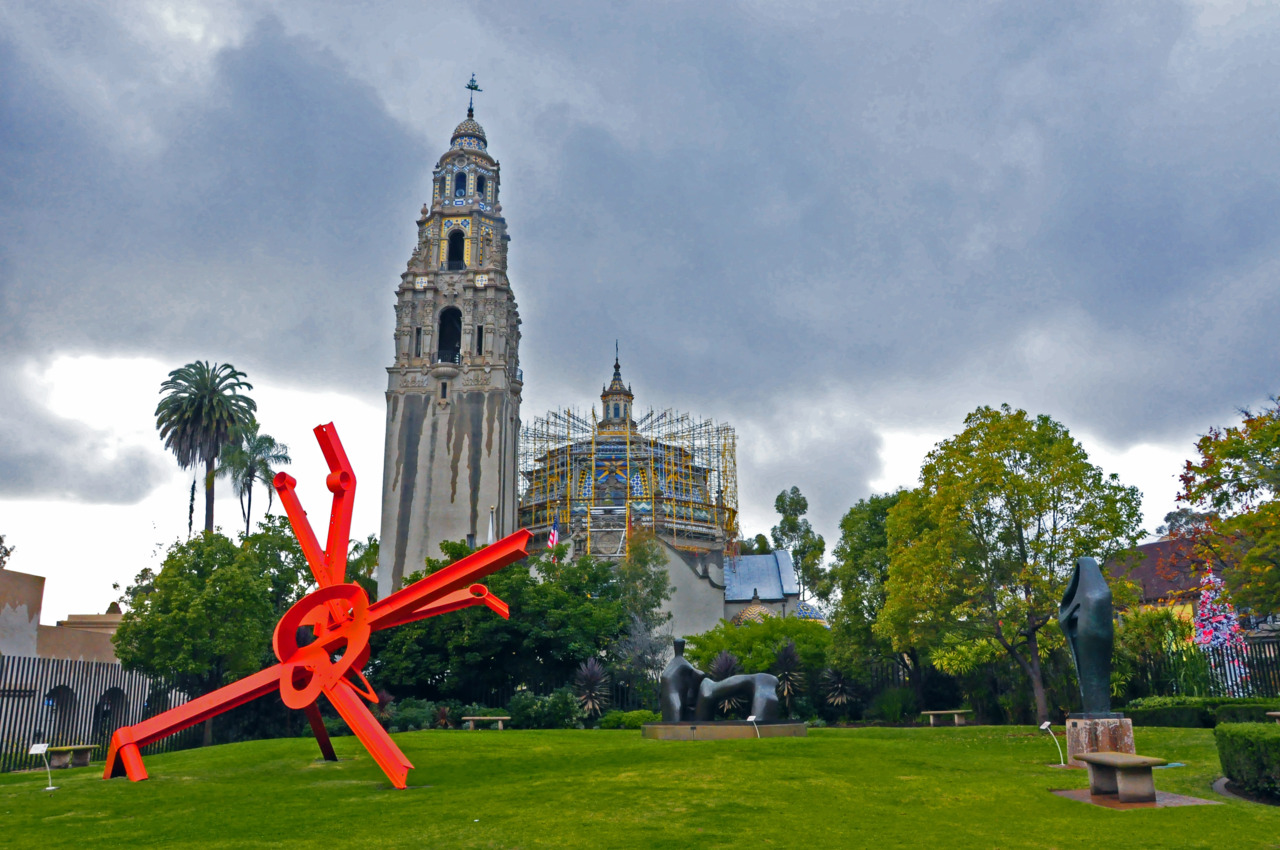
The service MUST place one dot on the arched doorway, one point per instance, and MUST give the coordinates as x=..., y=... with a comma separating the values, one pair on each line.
x=450, y=336
x=457, y=251
x=109, y=713
x=157, y=701
x=60, y=715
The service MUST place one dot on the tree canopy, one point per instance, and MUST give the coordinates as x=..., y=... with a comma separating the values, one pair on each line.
x=561, y=614
x=1235, y=484
x=981, y=550
x=796, y=535
x=856, y=580
x=200, y=623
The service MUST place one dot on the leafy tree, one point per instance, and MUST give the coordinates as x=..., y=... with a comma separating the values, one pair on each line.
x=561, y=615
x=201, y=408
x=796, y=536
x=857, y=577
x=758, y=545
x=756, y=645
x=979, y=554
x=250, y=457
x=1235, y=484
x=280, y=561
x=5, y=552
x=202, y=621
x=642, y=580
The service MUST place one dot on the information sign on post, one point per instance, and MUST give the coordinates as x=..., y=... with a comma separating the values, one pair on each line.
x=42, y=750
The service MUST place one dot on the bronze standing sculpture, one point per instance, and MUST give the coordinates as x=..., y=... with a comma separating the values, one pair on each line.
x=1086, y=618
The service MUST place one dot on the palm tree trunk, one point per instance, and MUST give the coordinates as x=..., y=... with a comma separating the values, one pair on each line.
x=208, y=495
x=248, y=508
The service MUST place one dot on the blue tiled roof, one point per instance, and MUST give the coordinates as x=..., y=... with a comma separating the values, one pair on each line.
x=772, y=576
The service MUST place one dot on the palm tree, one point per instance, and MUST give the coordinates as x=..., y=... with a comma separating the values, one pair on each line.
x=249, y=457
x=199, y=413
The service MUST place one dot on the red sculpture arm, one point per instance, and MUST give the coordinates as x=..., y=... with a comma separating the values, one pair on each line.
x=341, y=482
x=476, y=594
x=456, y=576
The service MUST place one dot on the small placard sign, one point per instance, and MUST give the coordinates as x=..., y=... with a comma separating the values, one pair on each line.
x=38, y=749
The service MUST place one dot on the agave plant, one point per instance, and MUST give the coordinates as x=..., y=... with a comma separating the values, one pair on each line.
x=591, y=687
x=442, y=717
x=837, y=687
x=724, y=665
x=787, y=667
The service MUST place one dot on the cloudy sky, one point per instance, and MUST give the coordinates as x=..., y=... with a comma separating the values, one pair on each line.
x=839, y=227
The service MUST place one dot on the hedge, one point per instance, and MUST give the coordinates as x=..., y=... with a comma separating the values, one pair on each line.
x=1250, y=755
x=1186, y=716
x=1198, y=712
x=1246, y=713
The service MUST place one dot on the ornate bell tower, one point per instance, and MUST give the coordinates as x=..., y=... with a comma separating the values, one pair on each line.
x=453, y=394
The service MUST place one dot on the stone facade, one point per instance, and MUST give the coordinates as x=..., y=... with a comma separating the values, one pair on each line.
x=453, y=394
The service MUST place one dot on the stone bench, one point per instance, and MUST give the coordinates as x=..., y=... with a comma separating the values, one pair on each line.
x=1124, y=775
x=76, y=756
x=958, y=713
x=1275, y=714
x=471, y=721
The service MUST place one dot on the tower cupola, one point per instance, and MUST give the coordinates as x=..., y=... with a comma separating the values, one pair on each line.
x=617, y=398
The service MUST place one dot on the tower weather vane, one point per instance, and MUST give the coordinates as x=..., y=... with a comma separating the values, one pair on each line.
x=473, y=88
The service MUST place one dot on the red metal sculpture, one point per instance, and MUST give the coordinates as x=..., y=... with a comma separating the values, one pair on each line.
x=342, y=619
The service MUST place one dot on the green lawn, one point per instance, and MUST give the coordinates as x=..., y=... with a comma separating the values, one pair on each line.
x=981, y=787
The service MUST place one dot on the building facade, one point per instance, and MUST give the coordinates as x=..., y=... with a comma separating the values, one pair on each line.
x=453, y=392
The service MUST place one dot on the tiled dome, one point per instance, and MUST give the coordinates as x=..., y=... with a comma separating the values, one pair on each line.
x=752, y=614
x=469, y=129
x=809, y=611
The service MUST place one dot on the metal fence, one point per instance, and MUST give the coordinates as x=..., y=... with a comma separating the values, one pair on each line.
x=63, y=703
x=1251, y=670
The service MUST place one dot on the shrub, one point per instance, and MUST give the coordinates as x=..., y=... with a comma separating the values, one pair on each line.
x=636, y=719
x=893, y=705
x=1250, y=755
x=612, y=719
x=336, y=727
x=1245, y=713
x=560, y=710
x=628, y=719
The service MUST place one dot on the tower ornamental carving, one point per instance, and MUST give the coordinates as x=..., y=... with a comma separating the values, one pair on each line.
x=453, y=394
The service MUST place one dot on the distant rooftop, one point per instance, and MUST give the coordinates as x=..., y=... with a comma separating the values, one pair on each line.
x=772, y=577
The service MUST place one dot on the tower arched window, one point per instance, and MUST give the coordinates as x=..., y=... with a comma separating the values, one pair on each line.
x=616, y=414
x=457, y=250
x=450, y=347
x=460, y=185
x=480, y=185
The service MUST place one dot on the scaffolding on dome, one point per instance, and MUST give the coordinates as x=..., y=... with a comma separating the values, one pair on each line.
x=667, y=472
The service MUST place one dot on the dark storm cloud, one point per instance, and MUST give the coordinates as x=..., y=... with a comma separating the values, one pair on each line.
x=803, y=219
x=248, y=234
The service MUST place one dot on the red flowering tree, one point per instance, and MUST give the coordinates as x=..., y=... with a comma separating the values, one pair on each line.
x=1218, y=628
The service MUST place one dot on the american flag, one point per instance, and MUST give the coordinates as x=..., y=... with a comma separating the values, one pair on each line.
x=554, y=537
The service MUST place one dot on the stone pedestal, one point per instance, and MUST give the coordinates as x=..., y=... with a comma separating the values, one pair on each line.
x=1097, y=733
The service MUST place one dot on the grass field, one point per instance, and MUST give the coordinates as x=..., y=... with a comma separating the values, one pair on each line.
x=980, y=787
